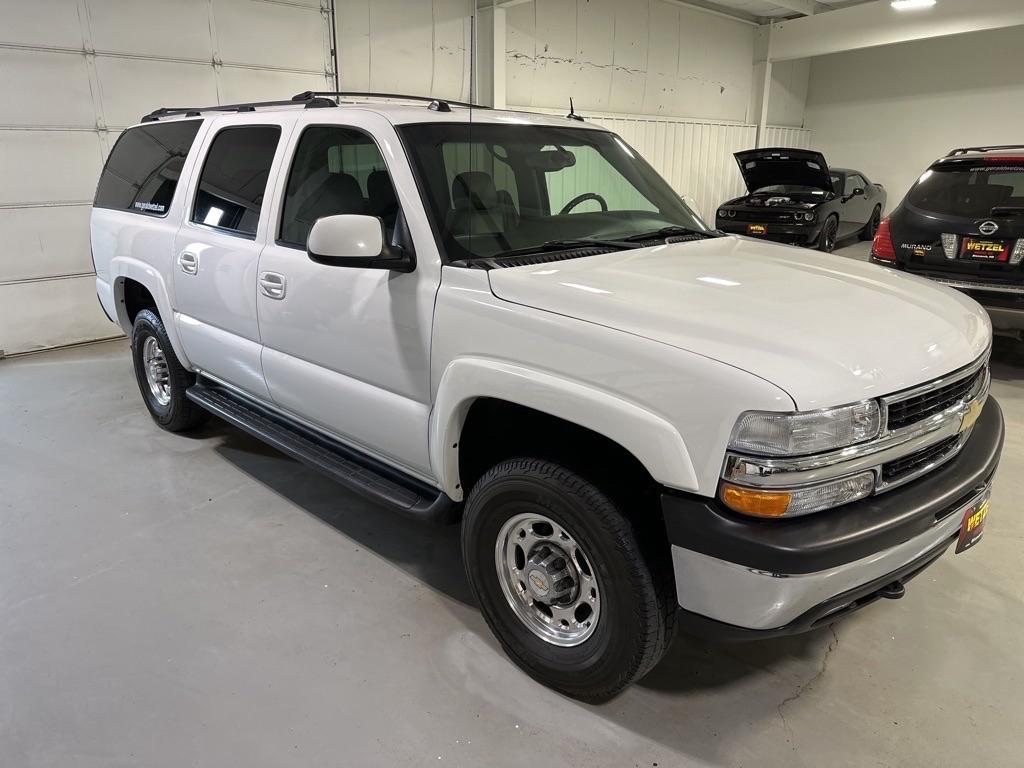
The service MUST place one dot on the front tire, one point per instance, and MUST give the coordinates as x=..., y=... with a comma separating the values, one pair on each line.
x=562, y=580
x=829, y=235
x=162, y=378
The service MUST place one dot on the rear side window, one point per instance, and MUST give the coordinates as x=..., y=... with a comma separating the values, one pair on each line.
x=234, y=178
x=142, y=171
x=971, y=189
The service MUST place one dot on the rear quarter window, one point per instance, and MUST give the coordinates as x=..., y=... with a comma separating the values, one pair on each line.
x=141, y=174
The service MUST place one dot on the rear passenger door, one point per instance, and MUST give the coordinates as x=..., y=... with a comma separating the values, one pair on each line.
x=217, y=251
x=348, y=348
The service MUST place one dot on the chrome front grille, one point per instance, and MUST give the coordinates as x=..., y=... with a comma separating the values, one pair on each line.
x=903, y=413
x=922, y=460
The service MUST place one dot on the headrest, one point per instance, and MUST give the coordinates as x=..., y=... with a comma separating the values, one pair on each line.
x=475, y=188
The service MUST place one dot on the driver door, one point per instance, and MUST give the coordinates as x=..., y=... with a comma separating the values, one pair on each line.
x=348, y=349
x=856, y=210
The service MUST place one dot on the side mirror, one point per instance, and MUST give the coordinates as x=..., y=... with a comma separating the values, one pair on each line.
x=858, y=191
x=355, y=240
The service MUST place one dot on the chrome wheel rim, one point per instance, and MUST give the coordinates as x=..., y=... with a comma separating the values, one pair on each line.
x=158, y=376
x=548, y=580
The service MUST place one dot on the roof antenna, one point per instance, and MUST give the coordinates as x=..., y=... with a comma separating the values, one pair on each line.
x=572, y=112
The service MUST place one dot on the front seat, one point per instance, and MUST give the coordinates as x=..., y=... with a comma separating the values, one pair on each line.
x=477, y=207
x=337, y=193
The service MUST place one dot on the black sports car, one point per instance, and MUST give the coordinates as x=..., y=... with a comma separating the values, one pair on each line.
x=962, y=224
x=795, y=199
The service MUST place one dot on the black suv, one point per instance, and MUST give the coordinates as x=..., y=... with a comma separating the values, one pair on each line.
x=962, y=224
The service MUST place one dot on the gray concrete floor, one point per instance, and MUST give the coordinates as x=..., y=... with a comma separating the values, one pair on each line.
x=204, y=601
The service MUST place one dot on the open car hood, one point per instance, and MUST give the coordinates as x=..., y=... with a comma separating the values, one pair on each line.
x=765, y=167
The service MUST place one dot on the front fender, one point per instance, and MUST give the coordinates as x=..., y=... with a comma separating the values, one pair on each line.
x=126, y=268
x=655, y=442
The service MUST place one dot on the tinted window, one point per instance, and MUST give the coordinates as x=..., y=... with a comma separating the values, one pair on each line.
x=973, y=191
x=335, y=170
x=853, y=181
x=142, y=171
x=234, y=178
x=492, y=188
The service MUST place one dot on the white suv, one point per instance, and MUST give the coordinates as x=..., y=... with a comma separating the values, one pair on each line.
x=511, y=320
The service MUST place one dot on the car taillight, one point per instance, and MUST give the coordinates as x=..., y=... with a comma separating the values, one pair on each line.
x=883, y=248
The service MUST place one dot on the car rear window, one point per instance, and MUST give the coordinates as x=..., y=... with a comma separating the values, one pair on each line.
x=142, y=171
x=971, y=189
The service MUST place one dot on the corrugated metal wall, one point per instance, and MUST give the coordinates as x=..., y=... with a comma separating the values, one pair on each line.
x=73, y=74
x=783, y=136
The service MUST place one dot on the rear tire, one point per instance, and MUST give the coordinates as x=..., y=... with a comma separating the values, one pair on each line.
x=868, y=233
x=611, y=624
x=162, y=378
x=829, y=235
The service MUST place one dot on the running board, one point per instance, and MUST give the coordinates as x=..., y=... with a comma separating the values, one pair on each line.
x=357, y=472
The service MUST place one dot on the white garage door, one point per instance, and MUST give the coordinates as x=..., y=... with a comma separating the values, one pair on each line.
x=73, y=74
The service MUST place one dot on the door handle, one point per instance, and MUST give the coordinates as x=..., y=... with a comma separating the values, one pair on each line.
x=189, y=262
x=272, y=285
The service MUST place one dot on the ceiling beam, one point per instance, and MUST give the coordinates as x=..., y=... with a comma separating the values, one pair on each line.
x=805, y=7
x=878, y=23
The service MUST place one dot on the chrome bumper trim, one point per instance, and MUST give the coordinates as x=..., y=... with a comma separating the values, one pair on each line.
x=753, y=599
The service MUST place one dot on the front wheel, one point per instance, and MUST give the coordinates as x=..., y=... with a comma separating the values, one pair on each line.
x=829, y=235
x=162, y=378
x=561, y=579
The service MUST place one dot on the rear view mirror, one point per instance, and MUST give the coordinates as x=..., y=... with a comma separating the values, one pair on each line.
x=551, y=160
x=354, y=240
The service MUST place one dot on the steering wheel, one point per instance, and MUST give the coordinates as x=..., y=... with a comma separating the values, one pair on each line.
x=582, y=199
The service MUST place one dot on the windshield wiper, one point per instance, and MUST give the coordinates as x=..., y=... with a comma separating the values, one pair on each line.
x=1006, y=210
x=657, y=234
x=564, y=245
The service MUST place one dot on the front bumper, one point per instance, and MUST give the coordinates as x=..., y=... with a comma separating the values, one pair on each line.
x=739, y=577
x=789, y=234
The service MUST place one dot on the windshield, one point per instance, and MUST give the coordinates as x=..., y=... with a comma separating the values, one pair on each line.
x=972, y=191
x=494, y=188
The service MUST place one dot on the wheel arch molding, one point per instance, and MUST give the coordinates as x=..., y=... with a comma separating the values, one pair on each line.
x=653, y=442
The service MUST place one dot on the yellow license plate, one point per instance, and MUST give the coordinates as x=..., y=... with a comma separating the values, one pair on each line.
x=973, y=525
x=757, y=229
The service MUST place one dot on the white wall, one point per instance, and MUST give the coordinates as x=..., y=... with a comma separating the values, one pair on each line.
x=419, y=47
x=788, y=94
x=73, y=74
x=630, y=56
x=891, y=111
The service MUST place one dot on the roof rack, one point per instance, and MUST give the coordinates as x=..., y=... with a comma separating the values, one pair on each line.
x=310, y=100
x=436, y=104
x=965, y=150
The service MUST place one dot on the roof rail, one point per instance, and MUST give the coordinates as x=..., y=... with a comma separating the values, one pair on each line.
x=436, y=104
x=965, y=150
x=310, y=99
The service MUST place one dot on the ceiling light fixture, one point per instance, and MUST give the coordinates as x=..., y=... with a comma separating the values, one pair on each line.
x=910, y=5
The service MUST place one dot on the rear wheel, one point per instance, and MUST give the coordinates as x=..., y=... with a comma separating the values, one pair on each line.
x=868, y=233
x=162, y=378
x=829, y=235
x=562, y=581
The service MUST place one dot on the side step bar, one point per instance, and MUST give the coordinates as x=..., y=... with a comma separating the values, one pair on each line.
x=352, y=469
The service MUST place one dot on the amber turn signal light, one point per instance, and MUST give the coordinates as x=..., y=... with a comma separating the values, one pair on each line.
x=755, y=503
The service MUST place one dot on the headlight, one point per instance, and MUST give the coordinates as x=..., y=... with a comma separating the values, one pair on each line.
x=797, y=501
x=732, y=214
x=809, y=216
x=768, y=433
x=722, y=213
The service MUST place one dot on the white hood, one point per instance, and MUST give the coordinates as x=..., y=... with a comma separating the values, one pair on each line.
x=826, y=329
